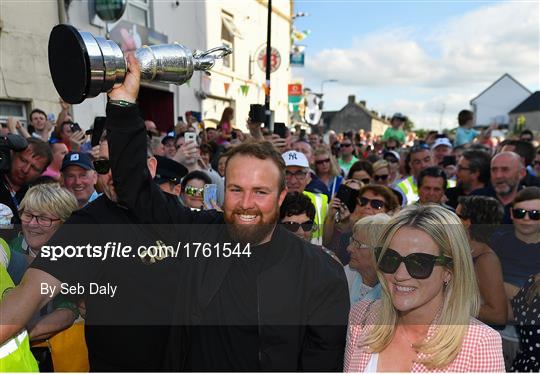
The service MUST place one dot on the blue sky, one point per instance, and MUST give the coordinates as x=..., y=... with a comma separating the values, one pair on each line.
x=426, y=59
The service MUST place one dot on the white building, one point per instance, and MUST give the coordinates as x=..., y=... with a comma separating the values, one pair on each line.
x=236, y=82
x=494, y=103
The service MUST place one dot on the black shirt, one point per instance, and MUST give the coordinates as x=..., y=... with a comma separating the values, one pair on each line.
x=127, y=332
x=230, y=341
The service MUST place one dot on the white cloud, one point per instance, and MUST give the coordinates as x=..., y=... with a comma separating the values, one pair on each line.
x=448, y=64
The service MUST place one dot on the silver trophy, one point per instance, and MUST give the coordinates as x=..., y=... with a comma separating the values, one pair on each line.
x=83, y=65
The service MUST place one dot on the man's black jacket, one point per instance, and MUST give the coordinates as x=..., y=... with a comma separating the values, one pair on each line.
x=304, y=287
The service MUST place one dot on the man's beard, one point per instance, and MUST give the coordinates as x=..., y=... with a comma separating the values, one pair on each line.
x=505, y=189
x=250, y=234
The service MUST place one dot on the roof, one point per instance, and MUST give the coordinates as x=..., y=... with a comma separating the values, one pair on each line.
x=497, y=81
x=530, y=104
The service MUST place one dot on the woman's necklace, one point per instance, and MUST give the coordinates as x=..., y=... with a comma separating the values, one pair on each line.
x=404, y=333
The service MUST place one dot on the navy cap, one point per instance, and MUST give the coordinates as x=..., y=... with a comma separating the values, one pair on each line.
x=169, y=171
x=170, y=135
x=78, y=159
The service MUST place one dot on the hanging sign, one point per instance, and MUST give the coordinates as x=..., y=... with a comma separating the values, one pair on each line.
x=275, y=59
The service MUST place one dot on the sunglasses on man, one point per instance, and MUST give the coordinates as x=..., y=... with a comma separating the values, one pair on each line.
x=418, y=265
x=294, y=226
x=194, y=191
x=520, y=214
x=102, y=166
x=374, y=203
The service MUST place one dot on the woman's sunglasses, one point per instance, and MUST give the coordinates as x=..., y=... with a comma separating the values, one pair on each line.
x=380, y=177
x=193, y=191
x=102, y=166
x=419, y=265
x=294, y=226
x=520, y=214
x=375, y=204
x=321, y=162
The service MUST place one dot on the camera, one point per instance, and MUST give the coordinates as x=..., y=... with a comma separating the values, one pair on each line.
x=11, y=142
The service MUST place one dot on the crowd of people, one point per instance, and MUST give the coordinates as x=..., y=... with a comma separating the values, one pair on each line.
x=354, y=252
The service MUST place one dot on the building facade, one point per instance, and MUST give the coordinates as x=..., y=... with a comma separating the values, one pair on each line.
x=353, y=117
x=238, y=81
x=494, y=103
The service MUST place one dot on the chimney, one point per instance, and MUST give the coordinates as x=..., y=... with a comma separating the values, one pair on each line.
x=352, y=99
x=363, y=102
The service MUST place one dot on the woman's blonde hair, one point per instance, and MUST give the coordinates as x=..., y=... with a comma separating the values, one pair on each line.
x=334, y=167
x=381, y=164
x=50, y=198
x=461, y=296
x=371, y=228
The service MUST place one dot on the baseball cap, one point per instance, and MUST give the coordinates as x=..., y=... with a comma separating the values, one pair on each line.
x=169, y=171
x=441, y=141
x=170, y=135
x=293, y=158
x=80, y=159
x=399, y=116
x=393, y=154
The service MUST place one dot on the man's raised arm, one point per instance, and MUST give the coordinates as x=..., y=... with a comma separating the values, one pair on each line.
x=127, y=140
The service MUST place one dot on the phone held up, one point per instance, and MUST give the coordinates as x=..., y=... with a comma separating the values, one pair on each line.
x=210, y=195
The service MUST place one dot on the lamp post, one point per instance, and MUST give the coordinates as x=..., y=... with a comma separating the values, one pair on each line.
x=326, y=81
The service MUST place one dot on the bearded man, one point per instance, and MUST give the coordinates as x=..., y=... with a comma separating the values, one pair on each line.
x=277, y=303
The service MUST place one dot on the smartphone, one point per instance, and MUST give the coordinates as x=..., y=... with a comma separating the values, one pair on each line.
x=257, y=113
x=302, y=133
x=347, y=196
x=99, y=126
x=210, y=194
x=280, y=129
x=234, y=135
x=75, y=126
x=190, y=137
x=51, y=117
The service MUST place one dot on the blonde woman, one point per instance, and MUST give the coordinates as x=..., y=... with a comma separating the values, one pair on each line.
x=425, y=318
x=44, y=208
x=361, y=272
x=381, y=173
x=327, y=169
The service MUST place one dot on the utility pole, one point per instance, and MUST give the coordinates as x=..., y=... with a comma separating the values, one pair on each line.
x=268, y=67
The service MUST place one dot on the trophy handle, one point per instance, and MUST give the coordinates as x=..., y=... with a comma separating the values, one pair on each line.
x=206, y=60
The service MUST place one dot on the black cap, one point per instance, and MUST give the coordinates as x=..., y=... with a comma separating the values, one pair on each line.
x=169, y=170
x=80, y=159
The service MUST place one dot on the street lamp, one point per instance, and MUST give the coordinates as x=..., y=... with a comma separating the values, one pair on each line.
x=326, y=81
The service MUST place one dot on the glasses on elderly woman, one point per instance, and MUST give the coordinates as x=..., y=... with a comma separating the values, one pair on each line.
x=27, y=217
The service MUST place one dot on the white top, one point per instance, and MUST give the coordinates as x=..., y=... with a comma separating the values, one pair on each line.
x=371, y=366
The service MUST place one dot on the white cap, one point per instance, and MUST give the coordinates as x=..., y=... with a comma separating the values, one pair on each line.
x=293, y=158
x=441, y=141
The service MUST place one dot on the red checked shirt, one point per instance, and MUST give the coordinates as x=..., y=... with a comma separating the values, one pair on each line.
x=481, y=350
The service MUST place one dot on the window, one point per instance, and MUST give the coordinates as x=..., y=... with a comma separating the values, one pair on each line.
x=228, y=32
x=15, y=109
x=138, y=11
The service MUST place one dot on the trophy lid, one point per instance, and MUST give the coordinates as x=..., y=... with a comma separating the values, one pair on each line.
x=69, y=63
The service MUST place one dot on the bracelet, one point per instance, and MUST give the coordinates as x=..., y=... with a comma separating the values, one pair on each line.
x=122, y=103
